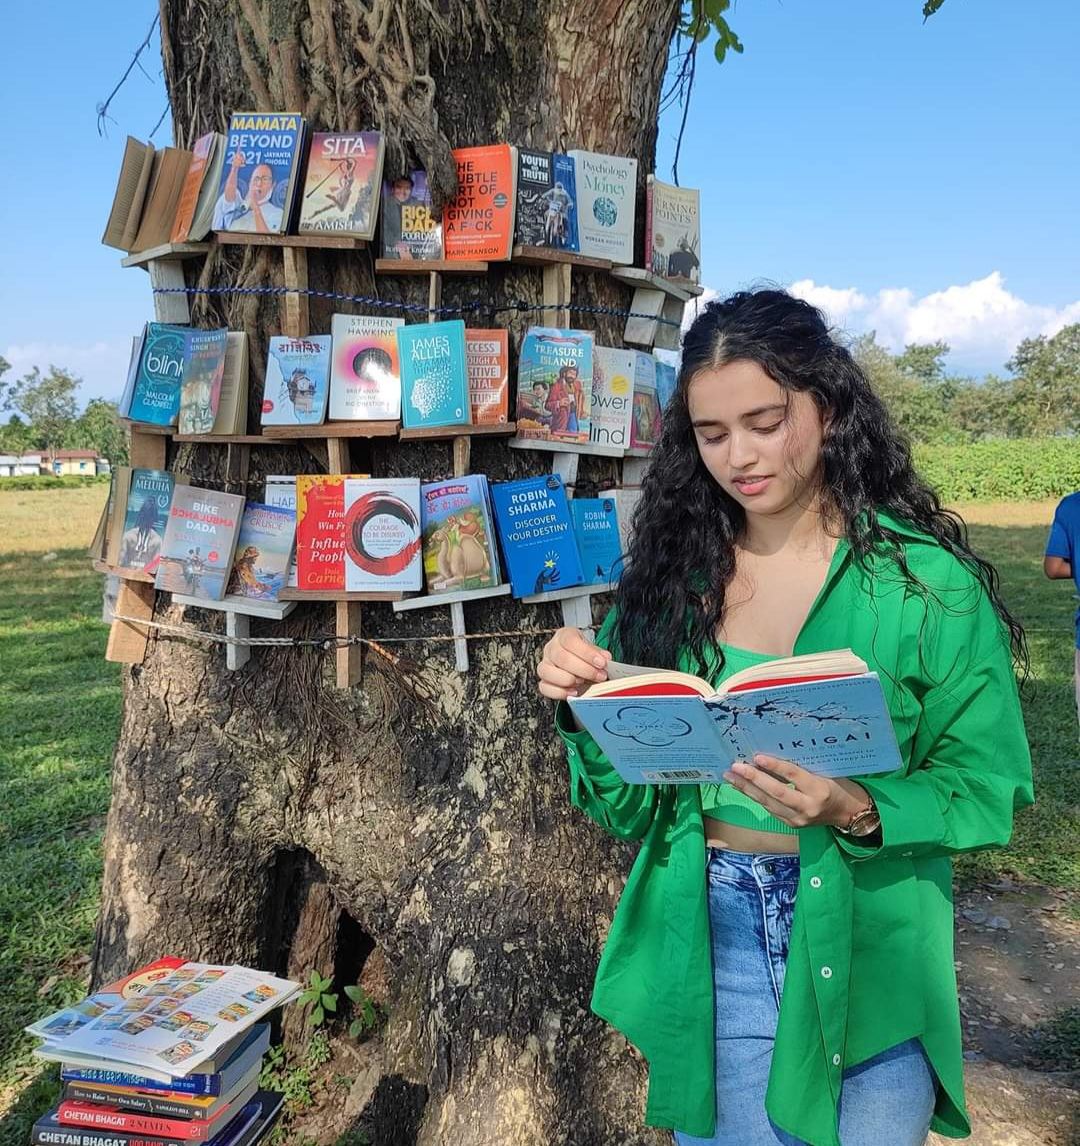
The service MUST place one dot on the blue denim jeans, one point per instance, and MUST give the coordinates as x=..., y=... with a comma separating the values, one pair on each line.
x=888, y=1099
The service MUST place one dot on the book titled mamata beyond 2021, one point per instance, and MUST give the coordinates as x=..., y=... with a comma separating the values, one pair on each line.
x=825, y=712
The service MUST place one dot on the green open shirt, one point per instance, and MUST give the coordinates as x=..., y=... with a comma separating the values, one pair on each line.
x=871, y=954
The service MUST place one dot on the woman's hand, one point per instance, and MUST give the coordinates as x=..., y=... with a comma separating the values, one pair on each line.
x=813, y=799
x=570, y=664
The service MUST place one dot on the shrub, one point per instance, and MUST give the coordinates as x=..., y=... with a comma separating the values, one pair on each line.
x=44, y=481
x=1016, y=469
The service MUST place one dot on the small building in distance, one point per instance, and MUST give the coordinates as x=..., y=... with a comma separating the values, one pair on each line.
x=20, y=465
x=81, y=463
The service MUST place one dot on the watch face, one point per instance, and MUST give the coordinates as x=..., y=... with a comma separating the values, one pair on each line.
x=867, y=826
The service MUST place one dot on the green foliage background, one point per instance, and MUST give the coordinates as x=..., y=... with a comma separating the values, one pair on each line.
x=1023, y=469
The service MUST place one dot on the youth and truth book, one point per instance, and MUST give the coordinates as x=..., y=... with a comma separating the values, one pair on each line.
x=263, y=152
x=341, y=189
x=672, y=231
x=536, y=534
x=200, y=536
x=264, y=549
x=410, y=227
x=459, y=538
x=612, y=400
x=365, y=375
x=596, y=530
x=825, y=712
x=200, y=384
x=382, y=535
x=479, y=222
x=434, y=374
x=487, y=360
x=297, y=381
x=554, y=390
x=138, y=512
x=152, y=391
x=606, y=193
x=546, y=212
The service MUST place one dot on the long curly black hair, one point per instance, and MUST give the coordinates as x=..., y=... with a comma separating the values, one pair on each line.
x=685, y=529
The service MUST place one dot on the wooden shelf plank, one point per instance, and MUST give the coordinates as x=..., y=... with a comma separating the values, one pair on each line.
x=335, y=595
x=564, y=594
x=232, y=439
x=147, y=428
x=269, y=610
x=373, y=429
x=172, y=251
x=312, y=242
x=430, y=266
x=437, y=432
x=555, y=447
x=638, y=277
x=541, y=256
x=124, y=574
x=457, y=596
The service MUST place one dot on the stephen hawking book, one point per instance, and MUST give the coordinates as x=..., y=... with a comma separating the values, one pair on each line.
x=479, y=222
x=262, y=161
x=410, y=227
x=139, y=511
x=487, y=358
x=263, y=549
x=606, y=194
x=546, y=214
x=554, y=388
x=200, y=386
x=536, y=534
x=365, y=378
x=459, y=541
x=646, y=423
x=152, y=393
x=297, y=381
x=200, y=536
x=596, y=529
x=320, y=531
x=382, y=535
x=825, y=712
x=434, y=376
x=341, y=190
x=612, y=400
x=672, y=231
x=280, y=490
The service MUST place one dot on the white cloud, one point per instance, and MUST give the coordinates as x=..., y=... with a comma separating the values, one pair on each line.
x=101, y=365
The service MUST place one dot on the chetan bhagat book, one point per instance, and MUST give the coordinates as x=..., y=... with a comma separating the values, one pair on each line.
x=825, y=712
x=479, y=222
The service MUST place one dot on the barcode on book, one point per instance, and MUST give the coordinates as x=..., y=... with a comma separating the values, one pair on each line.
x=675, y=774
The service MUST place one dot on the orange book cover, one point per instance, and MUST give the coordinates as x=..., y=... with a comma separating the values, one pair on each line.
x=189, y=193
x=487, y=359
x=479, y=223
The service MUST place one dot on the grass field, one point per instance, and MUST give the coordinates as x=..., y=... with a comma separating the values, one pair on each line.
x=60, y=712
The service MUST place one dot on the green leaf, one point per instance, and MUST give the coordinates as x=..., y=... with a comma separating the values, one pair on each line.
x=329, y=1002
x=356, y=1027
x=930, y=7
x=354, y=992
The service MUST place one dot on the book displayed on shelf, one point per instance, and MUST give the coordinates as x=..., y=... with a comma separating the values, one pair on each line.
x=625, y=502
x=459, y=538
x=365, y=375
x=434, y=374
x=261, y=171
x=479, y=222
x=200, y=382
x=410, y=227
x=825, y=712
x=596, y=530
x=612, y=398
x=667, y=375
x=646, y=422
x=231, y=417
x=382, y=535
x=606, y=193
x=487, y=360
x=320, y=531
x=126, y=211
x=554, y=388
x=138, y=511
x=536, y=534
x=280, y=490
x=341, y=188
x=195, y=209
x=546, y=210
x=200, y=536
x=170, y=167
x=152, y=392
x=297, y=385
x=672, y=231
x=264, y=549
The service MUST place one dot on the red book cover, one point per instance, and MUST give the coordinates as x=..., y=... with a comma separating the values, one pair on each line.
x=99, y=1117
x=479, y=223
x=320, y=531
x=487, y=359
x=189, y=193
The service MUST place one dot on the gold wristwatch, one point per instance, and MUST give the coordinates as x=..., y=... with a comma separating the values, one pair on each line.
x=864, y=822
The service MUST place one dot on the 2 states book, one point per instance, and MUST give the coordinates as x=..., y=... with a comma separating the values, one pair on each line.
x=825, y=712
x=297, y=383
x=263, y=152
x=410, y=227
x=341, y=189
x=554, y=390
x=459, y=538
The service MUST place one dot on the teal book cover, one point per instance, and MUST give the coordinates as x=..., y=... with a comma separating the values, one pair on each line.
x=148, y=500
x=434, y=375
x=596, y=530
x=155, y=397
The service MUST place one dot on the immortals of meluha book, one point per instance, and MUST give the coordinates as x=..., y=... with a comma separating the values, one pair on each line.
x=341, y=190
x=365, y=376
x=410, y=227
x=138, y=511
x=263, y=151
x=672, y=231
x=200, y=536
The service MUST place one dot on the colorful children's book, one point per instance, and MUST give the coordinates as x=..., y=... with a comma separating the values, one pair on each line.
x=434, y=375
x=383, y=535
x=200, y=386
x=536, y=534
x=280, y=491
x=596, y=530
x=606, y=194
x=487, y=359
x=667, y=375
x=152, y=393
x=672, y=231
x=825, y=712
x=263, y=153
x=459, y=541
x=554, y=389
x=479, y=222
x=365, y=378
x=297, y=381
x=200, y=536
x=546, y=214
x=263, y=552
x=646, y=423
x=341, y=190
x=410, y=227
x=612, y=400
x=139, y=510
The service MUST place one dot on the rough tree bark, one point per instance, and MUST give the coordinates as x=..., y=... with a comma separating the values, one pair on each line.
x=426, y=848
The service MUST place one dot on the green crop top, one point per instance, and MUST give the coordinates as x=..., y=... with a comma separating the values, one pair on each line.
x=722, y=801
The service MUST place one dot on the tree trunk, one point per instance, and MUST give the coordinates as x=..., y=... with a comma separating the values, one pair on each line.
x=424, y=847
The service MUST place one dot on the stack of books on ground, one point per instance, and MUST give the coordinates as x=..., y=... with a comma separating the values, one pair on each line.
x=170, y=1054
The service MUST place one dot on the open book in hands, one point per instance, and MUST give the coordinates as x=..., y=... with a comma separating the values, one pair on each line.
x=825, y=712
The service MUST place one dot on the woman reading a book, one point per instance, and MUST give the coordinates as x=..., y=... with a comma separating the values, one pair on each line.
x=782, y=952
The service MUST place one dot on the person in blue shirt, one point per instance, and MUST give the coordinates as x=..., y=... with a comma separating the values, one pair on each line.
x=1060, y=562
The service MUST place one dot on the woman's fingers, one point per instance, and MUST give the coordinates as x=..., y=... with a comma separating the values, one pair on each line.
x=552, y=674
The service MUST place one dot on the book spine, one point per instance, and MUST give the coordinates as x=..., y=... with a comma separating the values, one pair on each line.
x=54, y=1135
x=197, y=1085
x=127, y=1122
x=647, y=262
x=158, y=1106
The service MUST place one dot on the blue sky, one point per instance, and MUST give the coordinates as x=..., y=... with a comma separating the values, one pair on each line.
x=919, y=180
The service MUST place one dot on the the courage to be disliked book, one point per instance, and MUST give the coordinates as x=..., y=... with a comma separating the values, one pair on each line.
x=263, y=551
x=536, y=534
x=825, y=712
x=297, y=381
x=382, y=535
x=200, y=537
x=434, y=374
